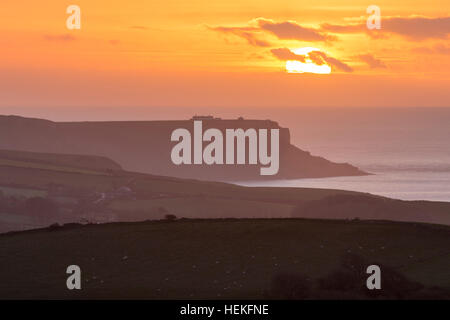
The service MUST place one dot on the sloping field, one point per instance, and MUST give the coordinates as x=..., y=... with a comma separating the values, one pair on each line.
x=94, y=163
x=210, y=259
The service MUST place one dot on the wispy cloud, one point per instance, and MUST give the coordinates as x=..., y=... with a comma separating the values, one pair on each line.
x=436, y=49
x=285, y=54
x=139, y=28
x=319, y=58
x=371, y=61
x=59, y=37
x=291, y=30
x=255, y=30
x=248, y=33
x=412, y=28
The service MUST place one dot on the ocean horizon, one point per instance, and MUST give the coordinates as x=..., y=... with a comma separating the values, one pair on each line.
x=407, y=151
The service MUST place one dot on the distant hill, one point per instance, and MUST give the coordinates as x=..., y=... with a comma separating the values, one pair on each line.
x=145, y=146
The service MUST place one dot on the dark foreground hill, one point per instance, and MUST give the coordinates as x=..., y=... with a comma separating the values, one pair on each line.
x=145, y=146
x=235, y=259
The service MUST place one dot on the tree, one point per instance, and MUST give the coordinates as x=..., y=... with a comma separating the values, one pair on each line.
x=170, y=217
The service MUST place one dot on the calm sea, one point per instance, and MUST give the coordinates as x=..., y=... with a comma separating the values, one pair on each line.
x=406, y=149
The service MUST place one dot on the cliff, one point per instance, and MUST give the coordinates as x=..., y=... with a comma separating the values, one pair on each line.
x=145, y=146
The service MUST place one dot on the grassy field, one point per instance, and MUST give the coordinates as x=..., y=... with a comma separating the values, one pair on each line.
x=22, y=192
x=211, y=259
x=57, y=161
x=44, y=166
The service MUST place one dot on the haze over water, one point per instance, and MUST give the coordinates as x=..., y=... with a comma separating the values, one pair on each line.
x=407, y=150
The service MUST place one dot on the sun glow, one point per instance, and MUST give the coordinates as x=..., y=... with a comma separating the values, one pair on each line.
x=294, y=66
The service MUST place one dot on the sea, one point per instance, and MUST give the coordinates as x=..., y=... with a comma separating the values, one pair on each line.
x=406, y=150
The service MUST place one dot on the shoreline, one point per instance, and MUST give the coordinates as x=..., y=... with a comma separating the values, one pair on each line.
x=415, y=186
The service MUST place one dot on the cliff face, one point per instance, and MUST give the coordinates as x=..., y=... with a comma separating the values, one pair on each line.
x=145, y=146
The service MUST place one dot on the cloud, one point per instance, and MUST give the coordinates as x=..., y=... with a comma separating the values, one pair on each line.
x=419, y=27
x=286, y=54
x=371, y=61
x=59, y=37
x=412, y=28
x=317, y=57
x=354, y=28
x=437, y=49
x=247, y=33
x=287, y=30
x=290, y=30
x=344, y=28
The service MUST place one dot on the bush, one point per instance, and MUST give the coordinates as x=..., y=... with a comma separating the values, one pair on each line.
x=348, y=282
x=290, y=287
x=395, y=285
x=53, y=227
x=341, y=280
x=170, y=217
x=350, y=279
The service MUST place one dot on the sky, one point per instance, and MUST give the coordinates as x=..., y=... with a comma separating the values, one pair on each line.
x=210, y=55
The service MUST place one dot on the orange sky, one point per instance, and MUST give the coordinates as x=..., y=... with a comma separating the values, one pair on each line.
x=222, y=53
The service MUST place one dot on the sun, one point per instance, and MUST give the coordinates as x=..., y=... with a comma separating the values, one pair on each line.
x=293, y=66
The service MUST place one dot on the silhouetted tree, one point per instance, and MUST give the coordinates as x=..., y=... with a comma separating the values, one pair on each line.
x=170, y=217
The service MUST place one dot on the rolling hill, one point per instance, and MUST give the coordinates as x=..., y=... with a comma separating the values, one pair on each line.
x=97, y=190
